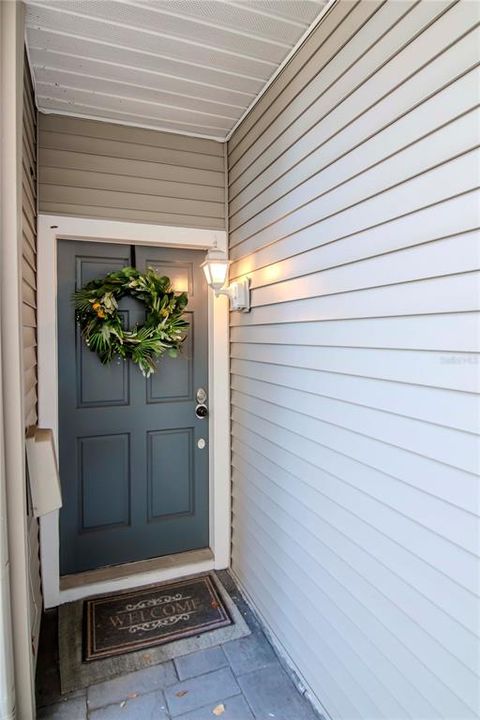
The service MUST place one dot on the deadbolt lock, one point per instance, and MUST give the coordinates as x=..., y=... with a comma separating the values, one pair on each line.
x=201, y=411
x=201, y=396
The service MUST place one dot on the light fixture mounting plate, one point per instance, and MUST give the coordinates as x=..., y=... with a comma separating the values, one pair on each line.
x=239, y=293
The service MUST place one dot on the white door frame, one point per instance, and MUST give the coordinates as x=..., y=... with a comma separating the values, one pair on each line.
x=52, y=228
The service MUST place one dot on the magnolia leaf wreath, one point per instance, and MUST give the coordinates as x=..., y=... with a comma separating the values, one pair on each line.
x=96, y=311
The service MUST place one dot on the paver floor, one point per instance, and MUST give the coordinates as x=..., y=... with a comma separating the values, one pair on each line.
x=239, y=680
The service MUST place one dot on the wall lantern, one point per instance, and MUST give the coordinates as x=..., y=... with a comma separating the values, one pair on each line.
x=215, y=268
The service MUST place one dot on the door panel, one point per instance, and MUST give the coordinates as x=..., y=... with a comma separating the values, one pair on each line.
x=99, y=385
x=169, y=473
x=104, y=505
x=174, y=381
x=135, y=483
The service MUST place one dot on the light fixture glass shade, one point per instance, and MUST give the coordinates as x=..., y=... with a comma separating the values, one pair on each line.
x=215, y=268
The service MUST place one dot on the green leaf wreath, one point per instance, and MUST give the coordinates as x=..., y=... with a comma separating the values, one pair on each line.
x=96, y=311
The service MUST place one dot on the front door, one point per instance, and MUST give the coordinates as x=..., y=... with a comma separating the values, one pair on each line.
x=133, y=455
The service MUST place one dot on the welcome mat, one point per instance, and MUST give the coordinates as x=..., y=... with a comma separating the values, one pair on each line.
x=125, y=622
x=76, y=674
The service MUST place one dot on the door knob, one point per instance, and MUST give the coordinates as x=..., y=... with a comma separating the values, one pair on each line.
x=201, y=411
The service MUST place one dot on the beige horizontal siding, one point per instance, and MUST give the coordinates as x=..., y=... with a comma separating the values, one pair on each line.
x=29, y=314
x=95, y=169
x=354, y=210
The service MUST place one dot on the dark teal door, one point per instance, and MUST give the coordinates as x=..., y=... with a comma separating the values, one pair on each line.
x=134, y=479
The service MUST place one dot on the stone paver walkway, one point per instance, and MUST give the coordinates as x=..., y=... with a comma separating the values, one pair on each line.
x=239, y=680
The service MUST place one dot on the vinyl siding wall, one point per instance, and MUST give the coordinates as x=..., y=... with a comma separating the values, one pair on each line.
x=29, y=314
x=102, y=170
x=354, y=210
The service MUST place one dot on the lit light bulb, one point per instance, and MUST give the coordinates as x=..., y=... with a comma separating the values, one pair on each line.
x=215, y=268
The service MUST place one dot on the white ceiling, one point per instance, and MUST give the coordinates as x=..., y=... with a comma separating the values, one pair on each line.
x=188, y=66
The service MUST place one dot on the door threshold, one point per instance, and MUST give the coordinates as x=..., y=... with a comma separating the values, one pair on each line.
x=134, y=574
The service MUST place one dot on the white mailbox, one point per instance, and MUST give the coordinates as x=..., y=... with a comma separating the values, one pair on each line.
x=43, y=471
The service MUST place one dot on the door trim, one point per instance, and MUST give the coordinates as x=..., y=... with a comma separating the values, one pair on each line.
x=55, y=227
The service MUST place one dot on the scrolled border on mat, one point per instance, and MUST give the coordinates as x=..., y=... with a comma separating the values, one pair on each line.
x=91, y=653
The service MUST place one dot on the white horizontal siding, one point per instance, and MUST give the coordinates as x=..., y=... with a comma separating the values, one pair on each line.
x=354, y=210
x=95, y=169
x=442, y=407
